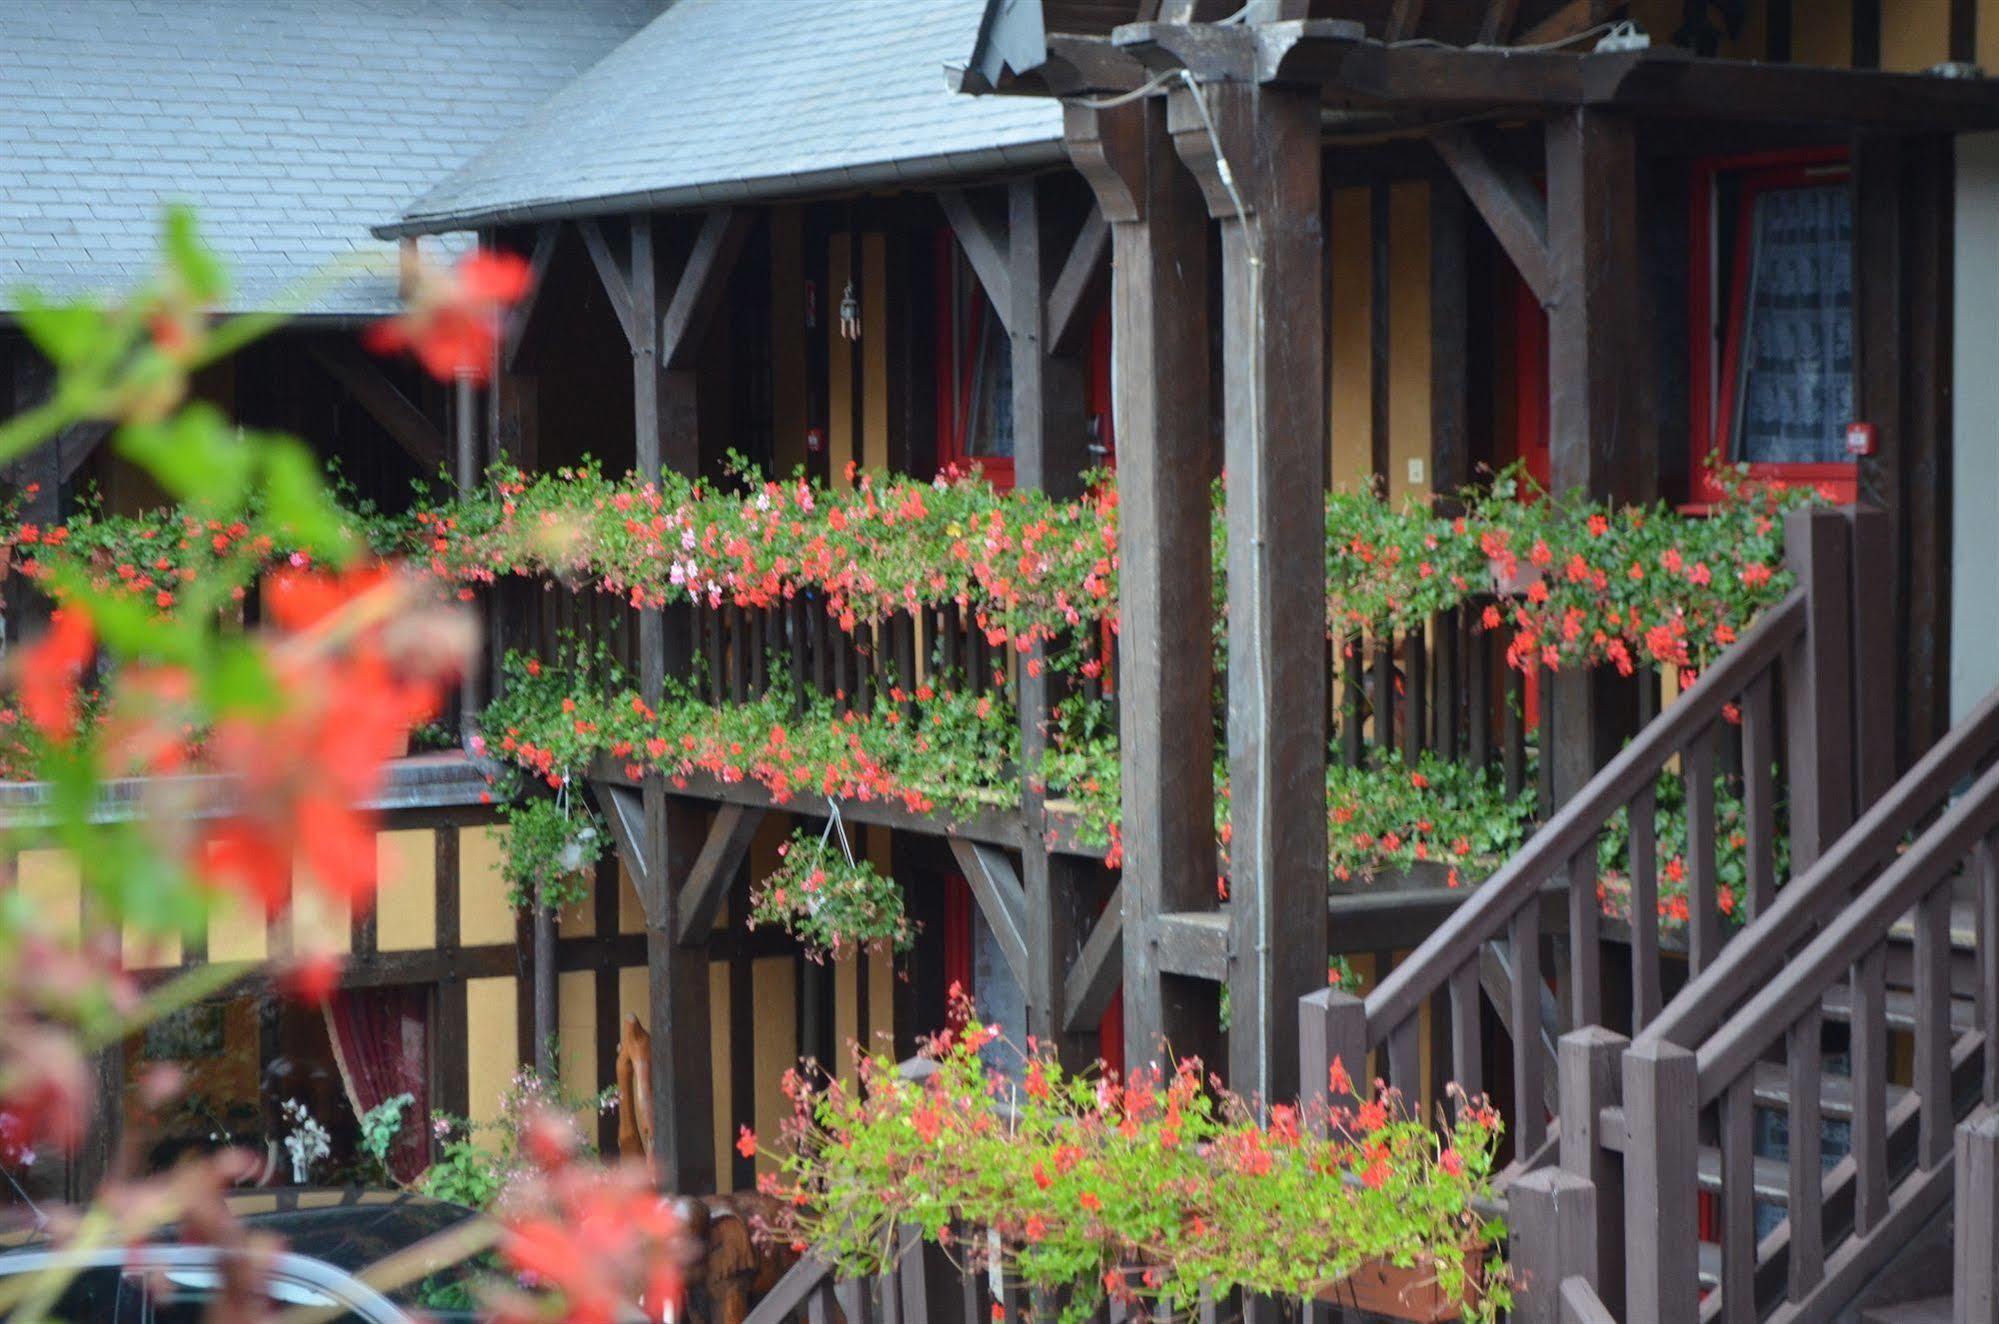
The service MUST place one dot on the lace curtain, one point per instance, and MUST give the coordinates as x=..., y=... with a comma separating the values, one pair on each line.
x=1794, y=395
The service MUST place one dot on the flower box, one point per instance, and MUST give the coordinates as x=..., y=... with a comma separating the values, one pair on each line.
x=1381, y=1288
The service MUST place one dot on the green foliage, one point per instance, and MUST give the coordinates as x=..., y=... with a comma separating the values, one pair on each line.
x=831, y=904
x=478, y=1161
x=1669, y=826
x=380, y=1126
x=552, y=849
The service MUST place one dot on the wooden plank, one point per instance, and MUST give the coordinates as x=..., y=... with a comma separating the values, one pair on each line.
x=1738, y=1204
x=1975, y=1240
x=1159, y=294
x=1703, y=915
x=1985, y=890
x=997, y=890
x=677, y=989
x=1585, y=950
x=1093, y=979
x=1591, y=1081
x=1817, y=688
x=363, y=379
x=515, y=330
x=703, y=283
x=1932, y=1033
x=612, y=274
x=1467, y=1037
x=1759, y=796
x=1513, y=208
x=1497, y=26
x=1642, y=865
x=1274, y=473
x=1530, y=1123
x=624, y=814
x=1191, y=943
x=715, y=870
x=1380, y=373
x=1081, y=287
x=1450, y=356
x=985, y=247
x=1404, y=20
x=1661, y=1214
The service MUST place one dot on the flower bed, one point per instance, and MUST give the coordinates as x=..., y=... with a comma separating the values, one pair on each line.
x=1148, y=1191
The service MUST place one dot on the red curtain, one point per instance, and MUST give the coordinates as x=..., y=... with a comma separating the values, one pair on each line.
x=381, y=1039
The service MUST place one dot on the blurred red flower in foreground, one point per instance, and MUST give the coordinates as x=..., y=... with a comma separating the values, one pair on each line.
x=598, y=1237
x=48, y=671
x=359, y=664
x=452, y=319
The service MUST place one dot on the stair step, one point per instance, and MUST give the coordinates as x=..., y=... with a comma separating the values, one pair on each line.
x=1930, y=1310
x=1771, y=1177
x=1901, y=1008
x=1773, y=1090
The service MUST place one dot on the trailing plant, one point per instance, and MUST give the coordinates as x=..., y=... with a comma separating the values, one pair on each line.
x=1151, y=1190
x=1390, y=815
x=832, y=902
x=552, y=847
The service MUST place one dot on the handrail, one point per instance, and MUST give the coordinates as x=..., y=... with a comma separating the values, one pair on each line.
x=1517, y=882
x=1734, y=1047
x=1762, y=950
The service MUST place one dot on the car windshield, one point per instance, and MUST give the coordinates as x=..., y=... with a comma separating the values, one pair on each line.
x=361, y=1230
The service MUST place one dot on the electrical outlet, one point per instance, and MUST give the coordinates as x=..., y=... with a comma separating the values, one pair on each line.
x=1416, y=472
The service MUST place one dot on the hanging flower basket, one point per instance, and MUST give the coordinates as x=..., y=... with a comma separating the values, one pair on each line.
x=830, y=901
x=1381, y=1287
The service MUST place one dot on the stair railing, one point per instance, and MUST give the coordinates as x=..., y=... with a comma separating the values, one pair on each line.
x=1843, y=1222
x=1801, y=649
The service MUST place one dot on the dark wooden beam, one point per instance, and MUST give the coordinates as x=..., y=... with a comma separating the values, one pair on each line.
x=1255, y=152
x=997, y=890
x=1450, y=355
x=363, y=379
x=624, y=811
x=985, y=248
x=1094, y=977
x=1506, y=198
x=1964, y=31
x=1159, y=307
x=1049, y=438
x=1081, y=288
x=545, y=239
x=715, y=870
x=1497, y=27
x=677, y=995
x=1194, y=944
x=77, y=444
x=1082, y=66
x=703, y=283
x=616, y=280
x=1405, y=20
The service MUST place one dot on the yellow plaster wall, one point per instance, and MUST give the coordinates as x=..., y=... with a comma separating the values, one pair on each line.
x=840, y=448
x=319, y=923
x=491, y=1044
x=1915, y=34
x=1347, y=333
x=1408, y=338
x=484, y=917
x=775, y=979
x=1988, y=35
x=50, y=881
x=631, y=914
x=870, y=450
x=406, y=892
x=721, y=1079
x=1822, y=33
x=576, y=1024
x=237, y=933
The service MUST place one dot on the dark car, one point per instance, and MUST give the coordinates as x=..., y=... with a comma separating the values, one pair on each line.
x=352, y=1256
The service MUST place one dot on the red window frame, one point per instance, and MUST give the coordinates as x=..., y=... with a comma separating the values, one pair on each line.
x=1715, y=360
x=954, y=376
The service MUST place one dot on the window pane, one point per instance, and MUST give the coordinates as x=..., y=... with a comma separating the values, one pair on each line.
x=989, y=420
x=1794, y=391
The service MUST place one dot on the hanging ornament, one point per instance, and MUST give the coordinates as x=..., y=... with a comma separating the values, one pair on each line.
x=850, y=313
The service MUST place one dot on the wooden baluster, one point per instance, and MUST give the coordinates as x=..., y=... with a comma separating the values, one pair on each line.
x=1416, y=725
x=1444, y=716
x=915, y=1287
x=888, y=1299
x=842, y=644
x=864, y=666
x=1738, y=1203
x=1384, y=693
x=1350, y=694
x=820, y=1307
x=1478, y=688
x=971, y=1290
x=1530, y=1125
x=1985, y=907
x=762, y=623
x=852, y=1296
x=1110, y=678
x=1869, y=1031
x=1545, y=738
x=1467, y=1044
x=1513, y=721
x=1807, y=1205
x=1703, y=915
x=1661, y=1184
x=822, y=648
x=735, y=621
x=1932, y=1034
x=798, y=652
x=1405, y=1053
x=1642, y=868
x=1585, y=951
x=1759, y=794
x=1649, y=682
x=713, y=644
x=905, y=661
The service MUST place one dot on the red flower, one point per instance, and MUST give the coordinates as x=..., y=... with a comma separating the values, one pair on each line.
x=452, y=322
x=746, y=1142
x=49, y=670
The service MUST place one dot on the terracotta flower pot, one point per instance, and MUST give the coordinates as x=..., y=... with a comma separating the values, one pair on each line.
x=1381, y=1288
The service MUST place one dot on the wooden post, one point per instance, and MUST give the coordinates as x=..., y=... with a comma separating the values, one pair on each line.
x=1818, y=686
x=1255, y=151
x=1332, y=1027
x=1975, y=1268
x=1590, y=1061
x=1159, y=300
x=1602, y=435
x=1551, y=1224
x=1661, y=1213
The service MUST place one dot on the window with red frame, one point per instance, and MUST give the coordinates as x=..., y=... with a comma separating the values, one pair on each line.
x=975, y=376
x=1771, y=318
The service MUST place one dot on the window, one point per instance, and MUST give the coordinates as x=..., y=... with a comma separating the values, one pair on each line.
x=975, y=372
x=1772, y=319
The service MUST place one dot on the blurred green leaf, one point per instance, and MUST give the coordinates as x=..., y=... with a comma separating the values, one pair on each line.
x=66, y=333
x=125, y=625
x=238, y=681
x=299, y=501
x=196, y=455
x=191, y=259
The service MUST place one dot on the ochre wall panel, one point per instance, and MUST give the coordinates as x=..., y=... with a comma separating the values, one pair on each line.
x=319, y=922
x=775, y=979
x=840, y=447
x=1915, y=34
x=1988, y=35
x=237, y=933
x=1349, y=267
x=1408, y=338
x=631, y=915
x=50, y=881
x=576, y=1024
x=491, y=1055
x=874, y=350
x=406, y=894
x=1822, y=33
x=484, y=917
x=720, y=1078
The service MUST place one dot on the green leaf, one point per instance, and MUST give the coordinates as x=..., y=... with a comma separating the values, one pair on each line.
x=66, y=333
x=196, y=455
x=238, y=681
x=191, y=259
x=299, y=501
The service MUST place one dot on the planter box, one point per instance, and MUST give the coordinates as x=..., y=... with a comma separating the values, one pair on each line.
x=1413, y=1293
x=1422, y=876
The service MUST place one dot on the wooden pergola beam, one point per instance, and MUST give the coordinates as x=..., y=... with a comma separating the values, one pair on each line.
x=997, y=890
x=1497, y=26
x=617, y=281
x=1572, y=18
x=1512, y=207
x=1093, y=979
x=363, y=379
x=1404, y=20
x=715, y=870
x=985, y=248
x=545, y=238
x=703, y=283
x=1082, y=286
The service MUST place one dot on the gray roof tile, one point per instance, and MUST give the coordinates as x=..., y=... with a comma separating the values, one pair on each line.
x=290, y=126
x=734, y=98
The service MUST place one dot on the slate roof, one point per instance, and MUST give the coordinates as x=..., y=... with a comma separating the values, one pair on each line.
x=292, y=125
x=720, y=100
